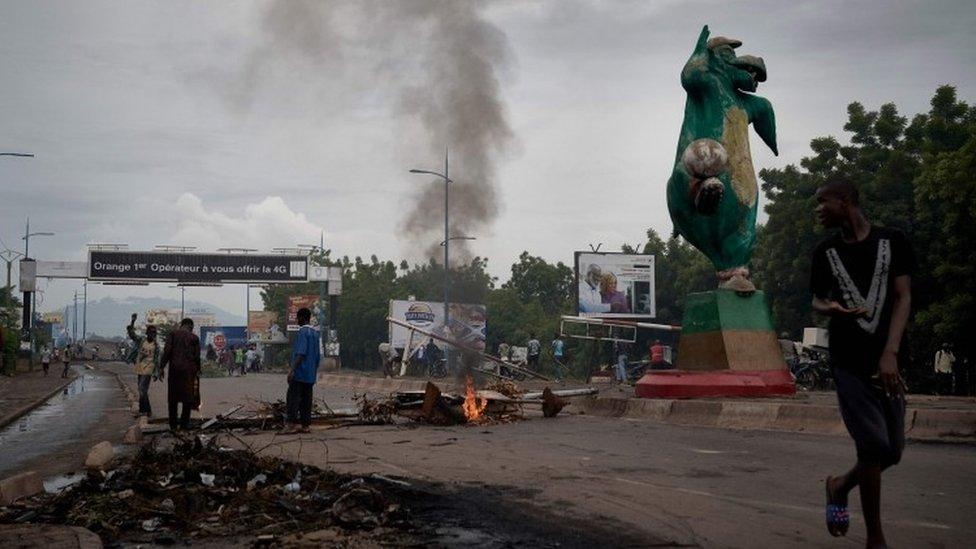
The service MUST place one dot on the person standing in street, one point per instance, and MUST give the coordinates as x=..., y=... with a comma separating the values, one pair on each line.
x=145, y=362
x=861, y=279
x=250, y=359
x=46, y=359
x=945, y=362
x=182, y=354
x=66, y=360
x=621, y=351
x=558, y=347
x=657, y=356
x=305, y=358
x=533, y=350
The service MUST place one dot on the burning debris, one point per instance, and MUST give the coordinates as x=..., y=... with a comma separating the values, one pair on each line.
x=197, y=490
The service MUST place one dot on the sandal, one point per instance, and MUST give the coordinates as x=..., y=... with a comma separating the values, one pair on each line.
x=838, y=517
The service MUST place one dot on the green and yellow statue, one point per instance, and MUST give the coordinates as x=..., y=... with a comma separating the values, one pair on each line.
x=712, y=193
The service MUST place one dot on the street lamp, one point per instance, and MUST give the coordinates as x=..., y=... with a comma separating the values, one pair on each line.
x=29, y=305
x=458, y=238
x=26, y=238
x=447, y=245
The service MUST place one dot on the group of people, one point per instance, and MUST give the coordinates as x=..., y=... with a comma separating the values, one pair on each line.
x=236, y=358
x=181, y=356
x=56, y=355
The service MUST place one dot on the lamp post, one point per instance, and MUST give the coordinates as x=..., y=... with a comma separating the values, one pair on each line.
x=28, y=296
x=447, y=245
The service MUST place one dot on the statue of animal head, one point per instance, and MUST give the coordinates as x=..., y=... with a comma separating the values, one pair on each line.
x=743, y=72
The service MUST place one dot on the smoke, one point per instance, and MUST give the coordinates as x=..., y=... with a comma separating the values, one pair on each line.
x=437, y=64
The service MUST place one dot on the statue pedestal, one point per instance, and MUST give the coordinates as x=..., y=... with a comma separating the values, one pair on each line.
x=728, y=348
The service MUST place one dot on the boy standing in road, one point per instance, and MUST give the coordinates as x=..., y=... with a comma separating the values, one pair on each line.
x=145, y=362
x=861, y=279
x=301, y=378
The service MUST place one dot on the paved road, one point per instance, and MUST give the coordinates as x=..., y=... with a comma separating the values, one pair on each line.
x=694, y=486
x=55, y=437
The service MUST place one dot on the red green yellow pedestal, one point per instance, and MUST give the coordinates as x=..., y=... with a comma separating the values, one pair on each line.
x=727, y=348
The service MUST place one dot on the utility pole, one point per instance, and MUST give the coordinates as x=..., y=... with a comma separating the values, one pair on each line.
x=74, y=320
x=84, y=317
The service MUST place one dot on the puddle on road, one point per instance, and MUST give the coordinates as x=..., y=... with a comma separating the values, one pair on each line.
x=53, y=407
x=62, y=420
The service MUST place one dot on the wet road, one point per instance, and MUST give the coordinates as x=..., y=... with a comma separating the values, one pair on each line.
x=55, y=437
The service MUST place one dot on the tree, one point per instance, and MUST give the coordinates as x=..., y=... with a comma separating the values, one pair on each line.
x=549, y=285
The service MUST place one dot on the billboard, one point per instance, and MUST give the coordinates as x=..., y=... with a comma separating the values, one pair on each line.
x=112, y=265
x=296, y=302
x=55, y=317
x=468, y=322
x=614, y=285
x=264, y=327
x=162, y=317
x=221, y=337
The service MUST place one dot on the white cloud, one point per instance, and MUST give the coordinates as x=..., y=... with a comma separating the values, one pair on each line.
x=263, y=225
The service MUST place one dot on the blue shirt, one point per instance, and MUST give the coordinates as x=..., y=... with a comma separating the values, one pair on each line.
x=307, y=345
x=557, y=347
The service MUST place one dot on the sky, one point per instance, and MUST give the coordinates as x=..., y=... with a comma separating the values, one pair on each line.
x=266, y=124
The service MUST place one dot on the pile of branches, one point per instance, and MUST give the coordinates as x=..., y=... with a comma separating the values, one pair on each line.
x=197, y=490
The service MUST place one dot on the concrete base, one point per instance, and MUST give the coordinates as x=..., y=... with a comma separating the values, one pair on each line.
x=684, y=384
x=727, y=348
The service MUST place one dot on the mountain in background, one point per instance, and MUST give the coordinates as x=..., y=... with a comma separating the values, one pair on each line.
x=109, y=316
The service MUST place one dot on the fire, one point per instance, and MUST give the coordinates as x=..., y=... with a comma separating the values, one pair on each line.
x=473, y=406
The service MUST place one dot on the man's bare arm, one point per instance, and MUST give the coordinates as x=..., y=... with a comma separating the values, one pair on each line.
x=900, y=311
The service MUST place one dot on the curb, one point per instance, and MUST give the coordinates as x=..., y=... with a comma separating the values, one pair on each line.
x=26, y=409
x=920, y=423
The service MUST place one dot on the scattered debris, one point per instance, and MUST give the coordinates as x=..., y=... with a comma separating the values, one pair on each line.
x=199, y=490
x=100, y=455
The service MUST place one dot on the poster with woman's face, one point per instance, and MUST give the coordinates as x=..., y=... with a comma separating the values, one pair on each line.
x=615, y=285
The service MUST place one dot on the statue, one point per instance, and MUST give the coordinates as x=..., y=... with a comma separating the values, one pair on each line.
x=712, y=193
x=728, y=346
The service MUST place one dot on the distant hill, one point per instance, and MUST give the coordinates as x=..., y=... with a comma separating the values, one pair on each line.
x=107, y=317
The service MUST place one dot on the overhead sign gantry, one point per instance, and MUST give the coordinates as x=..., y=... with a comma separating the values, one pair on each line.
x=124, y=265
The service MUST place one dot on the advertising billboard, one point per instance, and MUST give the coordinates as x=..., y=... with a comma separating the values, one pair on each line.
x=162, y=317
x=221, y=337
x=296, y=302
x=112, y=265
x=468, y=322
x=614, y=285
x=264, y=327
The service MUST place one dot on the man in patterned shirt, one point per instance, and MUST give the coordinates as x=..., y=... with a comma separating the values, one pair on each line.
x=861, y=279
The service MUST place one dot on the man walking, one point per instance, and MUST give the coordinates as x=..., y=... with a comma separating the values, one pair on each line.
x=46, y=359
x=861, y=279
x=145, y=362
x=66, y=360
x=301, y=379
x=182, y=352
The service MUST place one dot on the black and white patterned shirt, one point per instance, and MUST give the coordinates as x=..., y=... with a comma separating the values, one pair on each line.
x=861, y=274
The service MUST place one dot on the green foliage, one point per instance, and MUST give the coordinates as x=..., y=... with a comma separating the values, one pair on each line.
x=918, y=177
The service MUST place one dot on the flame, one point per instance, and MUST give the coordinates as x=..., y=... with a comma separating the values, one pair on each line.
x=473, y=407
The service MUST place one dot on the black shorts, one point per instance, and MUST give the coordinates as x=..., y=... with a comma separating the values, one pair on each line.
x=875, y=421
x=533, y=360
